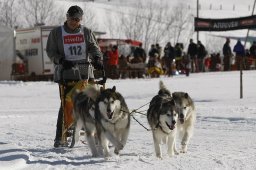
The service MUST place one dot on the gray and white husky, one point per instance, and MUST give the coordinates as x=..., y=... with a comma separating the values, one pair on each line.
x=112, y=120
x=84, y=116
x=162, y=119
x=185, y=108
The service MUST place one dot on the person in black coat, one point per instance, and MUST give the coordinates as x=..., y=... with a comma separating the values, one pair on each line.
x=253, y=50
x=192, y=53
x=200, y=56
x=227, y=55
x=169, y=55
x=139, y=52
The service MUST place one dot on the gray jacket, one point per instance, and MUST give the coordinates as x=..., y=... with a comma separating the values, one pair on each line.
x=55, y=50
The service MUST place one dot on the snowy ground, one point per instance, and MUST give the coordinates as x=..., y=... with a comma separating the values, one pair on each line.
x=224, y=134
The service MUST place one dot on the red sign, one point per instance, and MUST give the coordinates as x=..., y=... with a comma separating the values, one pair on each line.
x=35, y=40
x=73, y=39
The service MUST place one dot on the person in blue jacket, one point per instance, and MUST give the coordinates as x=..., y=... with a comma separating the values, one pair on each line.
x=240, y=53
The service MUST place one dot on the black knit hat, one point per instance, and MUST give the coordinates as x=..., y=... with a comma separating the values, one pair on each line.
x=75, y=12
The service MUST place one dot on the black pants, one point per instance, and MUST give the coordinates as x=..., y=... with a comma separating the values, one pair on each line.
x=61, y=113
x=226, y=61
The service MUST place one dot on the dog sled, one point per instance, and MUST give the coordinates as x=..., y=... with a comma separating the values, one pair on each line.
x=67, y=87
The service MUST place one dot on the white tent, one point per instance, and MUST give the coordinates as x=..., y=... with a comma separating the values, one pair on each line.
x=7, y=52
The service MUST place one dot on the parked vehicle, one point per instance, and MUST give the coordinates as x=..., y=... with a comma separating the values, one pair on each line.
x=30, y=49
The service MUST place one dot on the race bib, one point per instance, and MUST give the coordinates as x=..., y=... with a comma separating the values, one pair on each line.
x=74, y=45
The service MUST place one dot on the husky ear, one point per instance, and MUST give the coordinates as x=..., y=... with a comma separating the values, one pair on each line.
x=186, y=95
x=114, y=88
x=161, y=85
x=174, y=96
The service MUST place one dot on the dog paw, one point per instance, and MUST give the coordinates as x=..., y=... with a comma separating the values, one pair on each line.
x=159, y=156
x=171, y=154
x=116, y=151
x=107, y=156
x=176, y=153
x=95, y=155
x=119, y=147
x=183, y=151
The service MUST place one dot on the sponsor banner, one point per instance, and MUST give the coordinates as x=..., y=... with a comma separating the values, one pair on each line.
x=73, y=39
x=205, y=24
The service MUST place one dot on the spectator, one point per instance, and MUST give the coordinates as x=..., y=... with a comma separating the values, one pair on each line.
x=159, y=50
x=227, y=55
x=192, y=54
x=207, y=63
x=253, y=50
x=139, y=52
x=178, y=55
x=154, y=66
x=113, y=62
x=123, y=66
x=240, y=53
x=215, y=62
x=200, y=56
x=152, y=51
x=169, y=55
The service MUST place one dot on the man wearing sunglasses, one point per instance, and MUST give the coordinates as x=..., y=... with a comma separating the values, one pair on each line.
x=75, y=52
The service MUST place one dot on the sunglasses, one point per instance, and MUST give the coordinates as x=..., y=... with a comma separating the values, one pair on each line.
x=76, y=19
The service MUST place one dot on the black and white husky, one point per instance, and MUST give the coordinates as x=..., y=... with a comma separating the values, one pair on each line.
x=84, y=115
x=185, y=107
x=162, y=119
x=112, y=120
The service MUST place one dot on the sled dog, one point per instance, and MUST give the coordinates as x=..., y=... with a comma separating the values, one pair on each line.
x=186, y=110
x=84, y=115
x=112, y=120
x=162, y=119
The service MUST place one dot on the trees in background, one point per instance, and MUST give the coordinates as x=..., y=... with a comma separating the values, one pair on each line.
x=8, y=13
x=28, y=13
x=36, y=12
x=152, y=23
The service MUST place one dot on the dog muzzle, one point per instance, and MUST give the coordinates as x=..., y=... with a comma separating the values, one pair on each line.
x=110, y=114
x=181, y=120
x=170, y=126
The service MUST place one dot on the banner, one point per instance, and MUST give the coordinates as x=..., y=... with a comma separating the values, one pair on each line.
x=204, y=24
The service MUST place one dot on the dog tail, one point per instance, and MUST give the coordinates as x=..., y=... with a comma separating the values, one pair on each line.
x=163, y=90
x=161, y=85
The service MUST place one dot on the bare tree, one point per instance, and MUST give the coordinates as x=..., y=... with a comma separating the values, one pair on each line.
x=113, y=25
x=59, y=16
x=132, y=24
x=37, y=11
x=183, y=25
x=149, y=14
x=89, y=18
x=163, y=22
x=8, y=14
x=212, y=44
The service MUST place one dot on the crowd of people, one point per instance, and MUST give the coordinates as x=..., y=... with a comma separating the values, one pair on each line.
x=174, y=59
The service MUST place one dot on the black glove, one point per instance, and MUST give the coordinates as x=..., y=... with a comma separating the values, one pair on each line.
x=66, y=64
x=97, y=64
